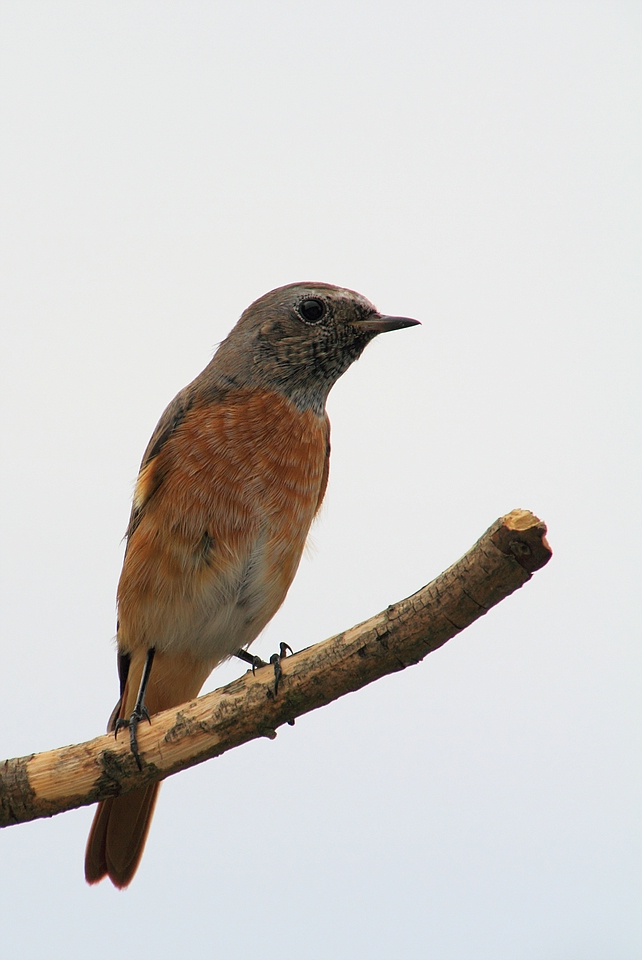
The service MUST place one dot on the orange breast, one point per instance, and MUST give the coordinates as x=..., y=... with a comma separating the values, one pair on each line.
x=232, y=495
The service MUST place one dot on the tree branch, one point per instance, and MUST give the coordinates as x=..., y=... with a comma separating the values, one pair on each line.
x=501, y=561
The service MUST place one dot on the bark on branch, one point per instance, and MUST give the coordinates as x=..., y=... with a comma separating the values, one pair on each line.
x=501, y=561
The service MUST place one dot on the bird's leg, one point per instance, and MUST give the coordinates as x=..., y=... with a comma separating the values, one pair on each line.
x=246, y=657
x=140, y=711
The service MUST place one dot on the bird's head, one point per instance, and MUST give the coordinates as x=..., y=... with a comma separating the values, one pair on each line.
x=300, y=338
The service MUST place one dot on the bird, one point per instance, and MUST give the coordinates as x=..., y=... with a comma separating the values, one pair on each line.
x=231, y=480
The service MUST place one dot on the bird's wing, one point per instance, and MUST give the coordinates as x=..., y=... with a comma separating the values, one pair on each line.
x=326, y=467
x=149, y=477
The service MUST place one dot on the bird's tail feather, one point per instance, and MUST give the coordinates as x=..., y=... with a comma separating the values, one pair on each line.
x=118, y=834
x=121, y=824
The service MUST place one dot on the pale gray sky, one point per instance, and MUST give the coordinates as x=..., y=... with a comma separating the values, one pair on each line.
x=477, y=166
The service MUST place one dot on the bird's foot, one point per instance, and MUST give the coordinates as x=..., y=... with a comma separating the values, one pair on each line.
x=140, y=713
x=275, y=660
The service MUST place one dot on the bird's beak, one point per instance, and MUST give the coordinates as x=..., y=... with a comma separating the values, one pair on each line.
x=382, y=324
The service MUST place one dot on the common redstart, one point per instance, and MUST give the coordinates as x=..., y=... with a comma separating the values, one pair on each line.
x=229, y=485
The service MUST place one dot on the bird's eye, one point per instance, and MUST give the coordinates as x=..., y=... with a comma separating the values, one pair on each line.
x=312, y=310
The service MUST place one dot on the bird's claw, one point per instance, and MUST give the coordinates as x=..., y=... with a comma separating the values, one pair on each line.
x=256, y=662
x=275, y=660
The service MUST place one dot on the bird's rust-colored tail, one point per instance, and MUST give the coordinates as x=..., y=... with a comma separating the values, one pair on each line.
x=121, y=824
x=118, y=834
